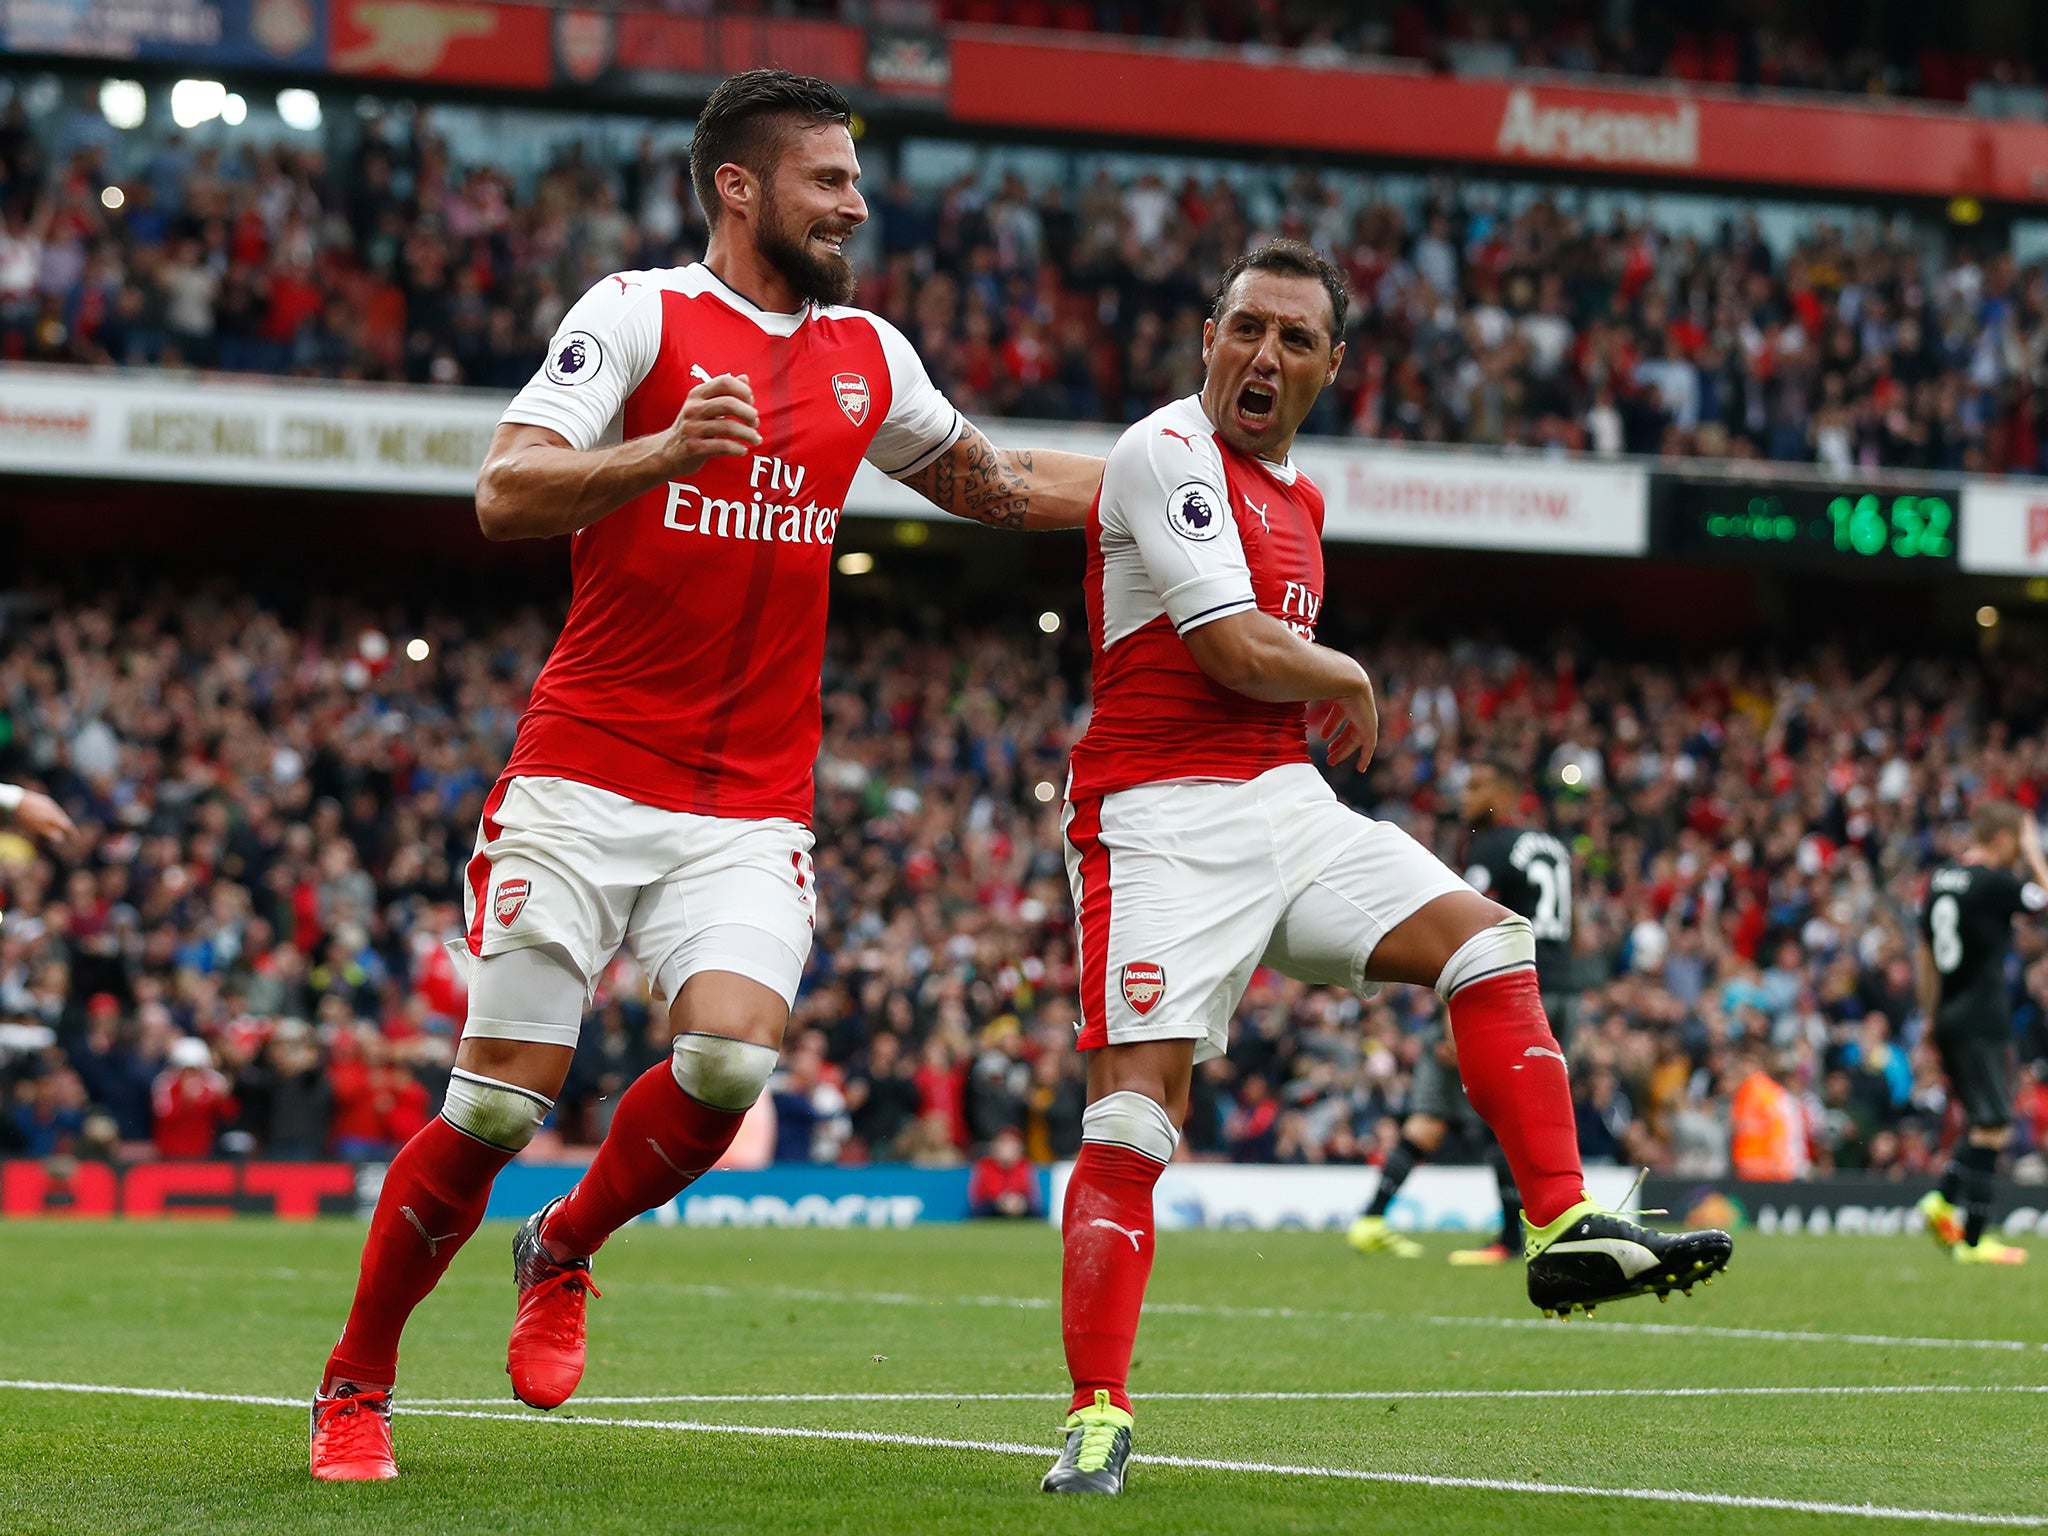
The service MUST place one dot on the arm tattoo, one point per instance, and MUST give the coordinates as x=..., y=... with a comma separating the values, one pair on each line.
x=976, y=480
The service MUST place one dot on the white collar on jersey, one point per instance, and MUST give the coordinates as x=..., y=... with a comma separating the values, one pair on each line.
x=700, y=279
x=1284, y=472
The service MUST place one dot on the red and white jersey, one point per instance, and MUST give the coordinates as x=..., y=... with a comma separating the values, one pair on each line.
x=1186, y=531
x=686, y=676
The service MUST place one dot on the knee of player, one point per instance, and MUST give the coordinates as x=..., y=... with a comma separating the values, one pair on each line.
x=721, y=1072
x=1508, y=944
x=1424, y=1131
x=497, y=1113
x=1134, y=1120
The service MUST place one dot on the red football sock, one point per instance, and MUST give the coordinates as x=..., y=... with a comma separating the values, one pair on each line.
x=1517, y=1079
x=660, y=1140
x=1107, y=1230
x=433, y=1197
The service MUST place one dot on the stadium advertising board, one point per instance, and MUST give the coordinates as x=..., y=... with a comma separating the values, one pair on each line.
x=781, y=1195
x=1264, y=1197
x=189, y=1191
x=1081, y=87
x=659, y=53
x=285, y=33
x=909, y=66
x=1848, y=1204
x=453, y=42
x=1470, y=501
x=57, y=421
x=1816, y=524
x=142, y=428
x=2005, y=528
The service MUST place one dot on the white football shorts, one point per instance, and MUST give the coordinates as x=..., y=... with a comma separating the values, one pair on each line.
x=585, y=871
x=1183, y=889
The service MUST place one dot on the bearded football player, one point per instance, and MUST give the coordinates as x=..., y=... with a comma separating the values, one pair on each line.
x=1202, y=842
x=696, y=429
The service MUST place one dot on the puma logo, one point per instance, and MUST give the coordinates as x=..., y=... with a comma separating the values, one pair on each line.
x=433, y=1243
x=1185, y=437
x=697, y=372
x=1556, y=1056
x=1262, y=513
x=685, y=1174
x=1104, y=1221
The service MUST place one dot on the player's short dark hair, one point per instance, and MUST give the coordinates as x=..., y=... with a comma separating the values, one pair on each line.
x=1290, y=258
x=748, y=120
x=1989, y=818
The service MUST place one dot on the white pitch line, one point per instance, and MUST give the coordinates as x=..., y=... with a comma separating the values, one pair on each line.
x=1196, y=1463
x=1191, y=1463
x=172, y=1393
x=1308, y=1314
x=1284, y=1469
x=1505, y=1394
x=1448, y=1394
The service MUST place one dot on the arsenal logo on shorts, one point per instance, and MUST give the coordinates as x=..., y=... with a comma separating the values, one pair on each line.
x=1144, y=984
x=851, y=390
x=512, y=901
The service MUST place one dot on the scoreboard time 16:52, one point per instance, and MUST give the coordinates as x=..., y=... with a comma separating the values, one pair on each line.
x=1794, y=523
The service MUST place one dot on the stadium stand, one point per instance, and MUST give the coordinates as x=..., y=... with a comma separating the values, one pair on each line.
x=283, y=804
x=281, y=807
x=1557, y=319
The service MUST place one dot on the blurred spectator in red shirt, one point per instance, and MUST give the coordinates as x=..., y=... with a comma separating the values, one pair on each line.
x=942, y=1088
x=1002, y=1183
x=377, y=1104
x=191, y=1102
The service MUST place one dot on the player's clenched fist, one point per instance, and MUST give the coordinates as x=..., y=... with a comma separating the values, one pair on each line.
x=1352, y=724
x=717, y=420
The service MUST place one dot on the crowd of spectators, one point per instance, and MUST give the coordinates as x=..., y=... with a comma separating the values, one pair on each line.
x=1480, y=317
x=247, y=952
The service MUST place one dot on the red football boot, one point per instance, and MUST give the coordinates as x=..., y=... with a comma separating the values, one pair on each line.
x=545, y=1356
x=352, y=1436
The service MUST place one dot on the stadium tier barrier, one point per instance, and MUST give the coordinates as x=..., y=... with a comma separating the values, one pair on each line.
x=396, y=439
x=1228, y=1196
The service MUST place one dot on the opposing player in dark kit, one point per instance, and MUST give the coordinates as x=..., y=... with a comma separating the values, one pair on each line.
x=1965, y=938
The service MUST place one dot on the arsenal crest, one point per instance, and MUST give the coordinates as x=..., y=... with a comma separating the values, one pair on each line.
x=851, y=390
x=1144, y=984
x=583, y=44
x=512, y=901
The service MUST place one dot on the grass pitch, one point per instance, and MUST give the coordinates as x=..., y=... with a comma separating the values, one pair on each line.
x=780, y=1381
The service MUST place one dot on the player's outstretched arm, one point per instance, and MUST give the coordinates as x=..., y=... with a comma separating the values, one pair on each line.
x=534, y=485
x=36, y=814
x=1255, y=654
x=1009, y=487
